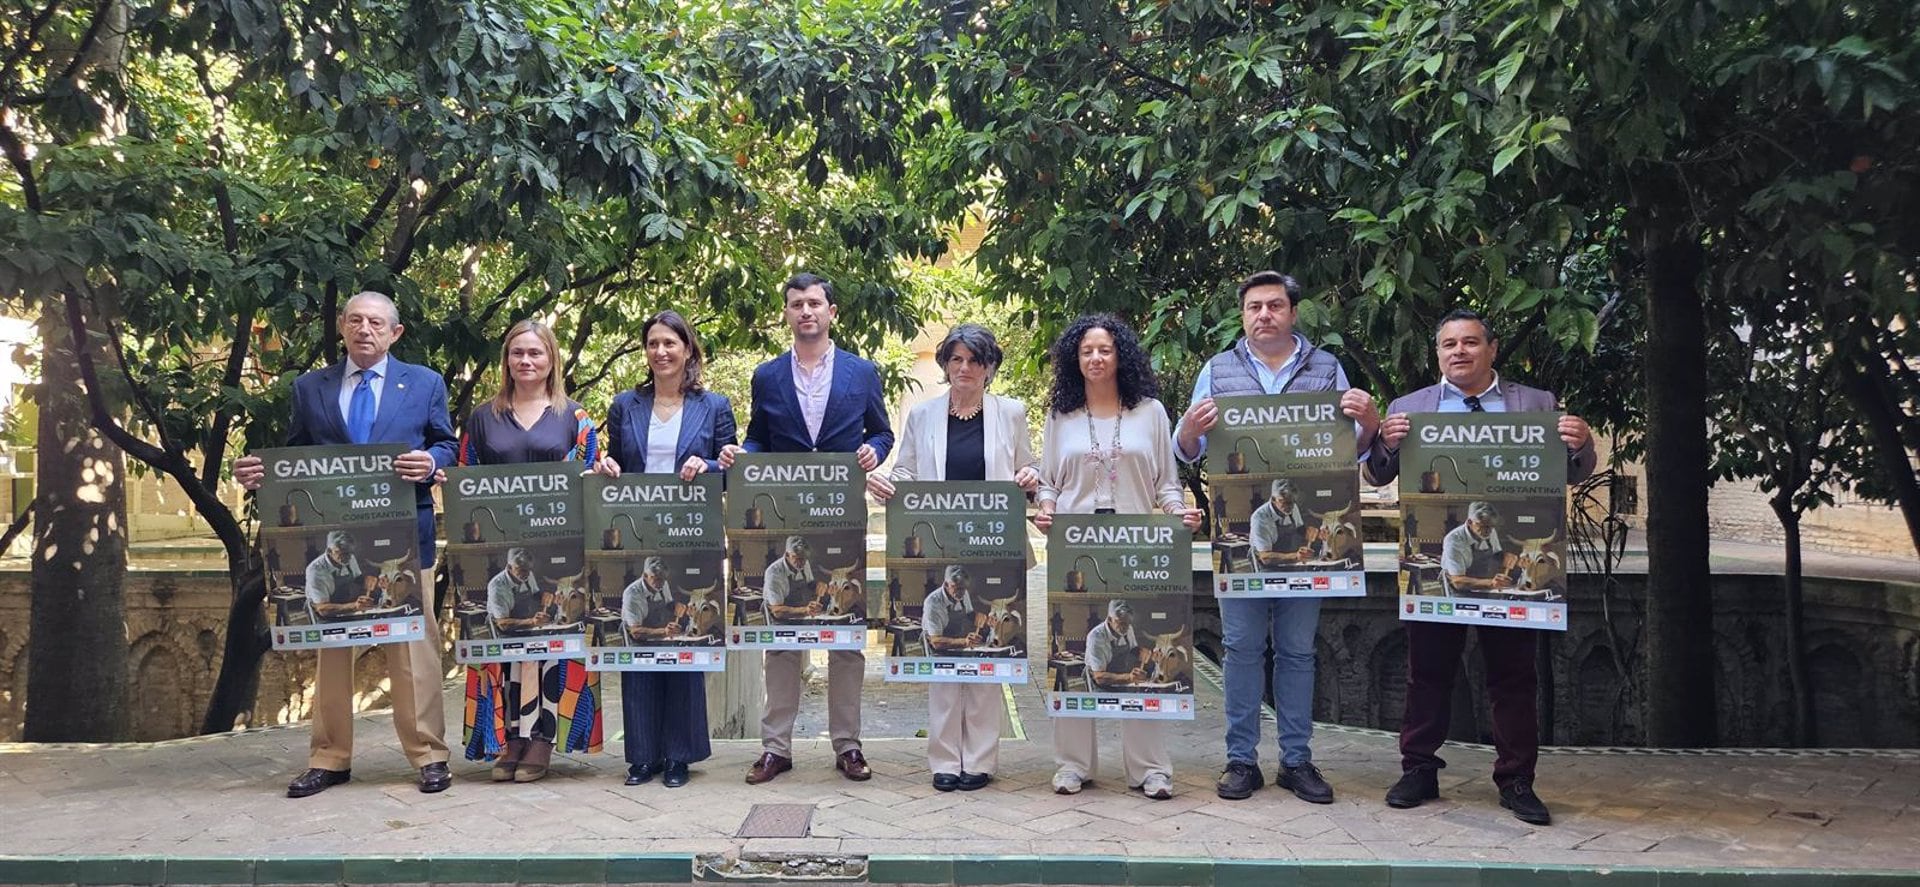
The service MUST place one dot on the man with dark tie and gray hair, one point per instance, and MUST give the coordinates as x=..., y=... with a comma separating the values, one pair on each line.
x=372, y=397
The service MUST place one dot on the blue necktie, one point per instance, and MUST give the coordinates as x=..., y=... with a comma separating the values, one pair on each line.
x=360, y=409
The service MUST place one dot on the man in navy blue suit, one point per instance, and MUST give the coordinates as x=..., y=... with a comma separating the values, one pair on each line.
x=816, y=398
x=373, y=398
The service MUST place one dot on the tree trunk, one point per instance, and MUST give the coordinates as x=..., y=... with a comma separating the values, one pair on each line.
x=77, y=635
x=1798, y=683
x=237, y=688
x=1878, y=405
x=1680, y=697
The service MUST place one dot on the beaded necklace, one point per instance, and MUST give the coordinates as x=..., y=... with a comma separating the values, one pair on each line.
x=1107, y=462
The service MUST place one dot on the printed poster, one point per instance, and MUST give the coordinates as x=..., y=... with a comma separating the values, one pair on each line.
x=1120, y=634
x=340, y=540
x=656, y=588
x=797, y=552
x=955, y=602
x=1285, y=487
x=516, y=560
x=1483, y=506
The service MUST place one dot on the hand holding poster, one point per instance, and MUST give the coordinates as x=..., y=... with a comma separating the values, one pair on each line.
x=797, y=540
x=655, y=555
x=1483, y=520
x=1120, y=637
x=1285, y=488
x=955, y=602
x=516, y=559
x=340, y=540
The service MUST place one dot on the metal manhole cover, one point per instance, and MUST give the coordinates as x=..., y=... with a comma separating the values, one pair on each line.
x=776, y=821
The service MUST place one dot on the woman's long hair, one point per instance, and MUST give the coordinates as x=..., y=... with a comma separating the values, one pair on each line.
x=556, y=374
x=690, y=376
x=1133, y=370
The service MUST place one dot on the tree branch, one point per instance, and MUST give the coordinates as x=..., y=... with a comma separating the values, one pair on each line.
x=19, y=525
x=23, y=167
x=25, y=44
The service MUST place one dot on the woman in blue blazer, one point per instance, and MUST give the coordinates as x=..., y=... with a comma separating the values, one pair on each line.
x=669, y=424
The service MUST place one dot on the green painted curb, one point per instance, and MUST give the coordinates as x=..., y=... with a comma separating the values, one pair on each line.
x=956, y=871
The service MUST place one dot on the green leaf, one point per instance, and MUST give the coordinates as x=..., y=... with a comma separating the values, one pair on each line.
x=1506, y=157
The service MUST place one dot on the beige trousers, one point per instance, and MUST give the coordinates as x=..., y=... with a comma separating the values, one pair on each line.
x=846, y=671
x=414, y=677
x=1143, y=746
x=963, y=727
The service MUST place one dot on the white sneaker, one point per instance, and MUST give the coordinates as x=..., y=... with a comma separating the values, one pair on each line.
x=1157, y=786
x=1066, y=782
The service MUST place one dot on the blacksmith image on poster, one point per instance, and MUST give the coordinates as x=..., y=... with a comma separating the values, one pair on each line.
x=656, y=547
x=1285, y=490
x=341, y=545
x=955, y=601
x=1483, y=506
x=797, y=552
x=516, y=561
x=1120, y=617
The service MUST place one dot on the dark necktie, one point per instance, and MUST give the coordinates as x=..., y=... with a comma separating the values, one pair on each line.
x=360, y=409
x=1473, y=405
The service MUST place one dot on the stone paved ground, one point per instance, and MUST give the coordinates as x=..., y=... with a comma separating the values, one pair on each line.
x=222, y=796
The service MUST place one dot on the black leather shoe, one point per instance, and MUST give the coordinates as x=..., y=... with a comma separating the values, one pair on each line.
x=435, y=777
x=1414, y=788
x=1306, y=783
x=641, y=774
x=946, y=782
x=675, y=775
x=970, y=782
x=1239, y=781
x=1518, y=796
x=315, y=781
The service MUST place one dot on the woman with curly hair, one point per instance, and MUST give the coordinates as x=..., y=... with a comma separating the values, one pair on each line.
x=1108, y=450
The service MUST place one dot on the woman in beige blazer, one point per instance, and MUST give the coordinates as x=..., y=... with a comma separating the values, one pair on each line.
x=965, y=433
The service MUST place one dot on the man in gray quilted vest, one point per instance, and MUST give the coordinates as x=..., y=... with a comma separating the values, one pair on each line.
x=1270, y=358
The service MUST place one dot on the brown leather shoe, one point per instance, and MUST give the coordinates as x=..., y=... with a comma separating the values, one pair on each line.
x=853, y=765
x=769, y=766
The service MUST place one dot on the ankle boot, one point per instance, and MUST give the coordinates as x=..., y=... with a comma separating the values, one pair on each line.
x=533, y=766
x=509, y=760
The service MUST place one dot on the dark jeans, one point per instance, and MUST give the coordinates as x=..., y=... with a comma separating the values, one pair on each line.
x=1433, y=661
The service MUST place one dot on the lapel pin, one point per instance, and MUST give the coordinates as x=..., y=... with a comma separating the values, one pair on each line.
x=401, y=385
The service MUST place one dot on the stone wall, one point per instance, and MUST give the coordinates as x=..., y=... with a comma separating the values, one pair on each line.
x=176, y=626
x=1863, y=641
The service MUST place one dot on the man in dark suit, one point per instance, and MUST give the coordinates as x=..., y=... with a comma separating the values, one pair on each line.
x=373, y=398
x=816, y=398
x=1466, y=348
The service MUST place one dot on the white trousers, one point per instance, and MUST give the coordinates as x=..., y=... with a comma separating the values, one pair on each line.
x=963, y=727
x=1143, y=747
